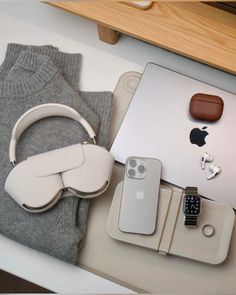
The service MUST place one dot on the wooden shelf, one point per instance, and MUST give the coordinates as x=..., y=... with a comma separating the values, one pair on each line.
x=193, y=29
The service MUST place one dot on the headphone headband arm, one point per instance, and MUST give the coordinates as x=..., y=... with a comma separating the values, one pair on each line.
x=40, y=112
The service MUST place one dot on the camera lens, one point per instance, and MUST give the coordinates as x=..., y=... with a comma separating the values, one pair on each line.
x=131, y=172
x=132, y=163
x=141, y=169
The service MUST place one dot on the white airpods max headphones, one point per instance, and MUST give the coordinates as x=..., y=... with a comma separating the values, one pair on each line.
x=39, y=182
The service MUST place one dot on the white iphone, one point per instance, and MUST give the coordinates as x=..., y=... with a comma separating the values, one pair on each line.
x=138, y=211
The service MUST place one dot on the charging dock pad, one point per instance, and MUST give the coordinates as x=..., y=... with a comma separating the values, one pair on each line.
x=208, y=243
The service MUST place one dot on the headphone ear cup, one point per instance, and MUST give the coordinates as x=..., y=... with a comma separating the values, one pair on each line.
x=93, y=175
x=35, y=194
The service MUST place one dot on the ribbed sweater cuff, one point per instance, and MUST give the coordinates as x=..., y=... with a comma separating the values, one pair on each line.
x=68, y=63
x=13, y=52
x=43, y=70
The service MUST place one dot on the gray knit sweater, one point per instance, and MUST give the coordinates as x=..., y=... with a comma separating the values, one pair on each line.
x=28, y=79
x=69, y=66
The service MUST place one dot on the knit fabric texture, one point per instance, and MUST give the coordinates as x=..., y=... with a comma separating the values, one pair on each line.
x=30, y=76
x=69, y=66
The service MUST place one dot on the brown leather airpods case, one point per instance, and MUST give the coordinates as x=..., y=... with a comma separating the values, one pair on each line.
x=206, y=107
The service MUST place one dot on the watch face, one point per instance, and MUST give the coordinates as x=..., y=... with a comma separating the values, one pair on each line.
x=192, y=205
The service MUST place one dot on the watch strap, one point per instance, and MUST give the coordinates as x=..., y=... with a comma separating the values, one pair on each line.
x=190, y=221
x=191, y=190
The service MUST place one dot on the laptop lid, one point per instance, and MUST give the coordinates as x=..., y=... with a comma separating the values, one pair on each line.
x=157, y=124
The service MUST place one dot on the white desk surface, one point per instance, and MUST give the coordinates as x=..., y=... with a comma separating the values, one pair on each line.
x=31, y=22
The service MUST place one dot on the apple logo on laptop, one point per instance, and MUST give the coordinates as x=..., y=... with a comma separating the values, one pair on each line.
x=140, y=195
x=197, y=136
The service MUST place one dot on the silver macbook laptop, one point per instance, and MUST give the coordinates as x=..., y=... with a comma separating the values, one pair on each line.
x=157, y=124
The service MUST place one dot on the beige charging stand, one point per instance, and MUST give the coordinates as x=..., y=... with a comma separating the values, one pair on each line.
x=208, y=242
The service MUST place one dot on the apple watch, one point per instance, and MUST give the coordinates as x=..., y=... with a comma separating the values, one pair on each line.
x=191, y=206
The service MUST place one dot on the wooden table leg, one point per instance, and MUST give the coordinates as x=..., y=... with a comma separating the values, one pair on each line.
x=107, y=35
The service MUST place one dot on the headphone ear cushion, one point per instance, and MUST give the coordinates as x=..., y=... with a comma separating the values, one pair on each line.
x=93, y=175
x=32, y=192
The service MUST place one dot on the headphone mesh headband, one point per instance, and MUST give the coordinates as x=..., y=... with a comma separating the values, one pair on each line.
x=40, y=112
